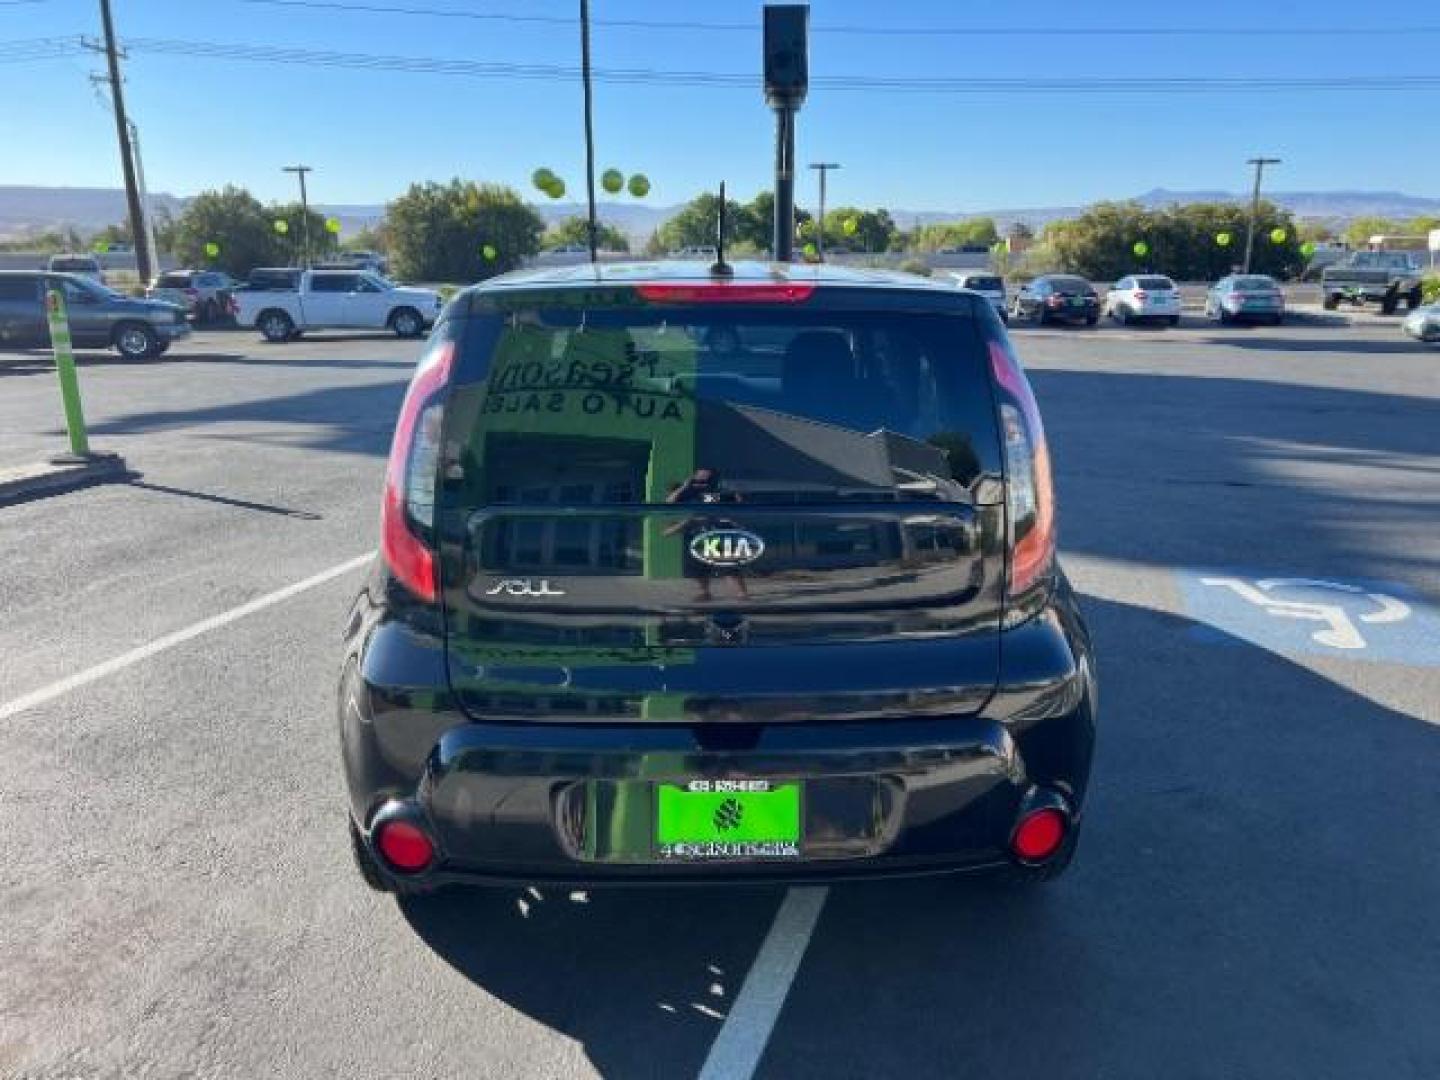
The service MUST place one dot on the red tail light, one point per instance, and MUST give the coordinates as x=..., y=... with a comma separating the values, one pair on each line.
x=404, y=846
x=1141, y=294
x=410, y=476
x=1039, y=835
x=1055, y=301
x=1029, y=487
x=778, y=292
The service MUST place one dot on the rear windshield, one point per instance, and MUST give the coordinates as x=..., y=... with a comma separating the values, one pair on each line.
x=771, y=403
x=1255, y=282
x=276, y=280
x=74, y=266
x=985, y=284
x=173, y=281
x=1069, y=284
x=1154, y=283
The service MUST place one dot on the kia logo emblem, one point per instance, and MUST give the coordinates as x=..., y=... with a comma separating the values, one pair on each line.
x=726, y=547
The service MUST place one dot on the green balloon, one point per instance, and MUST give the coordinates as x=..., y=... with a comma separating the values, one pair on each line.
x=282, y=226
x=489, y=252
x=1141, y=248
x=811, y=251
x=613, y=181
x=100, y=247
x=849, y=225
x=556, y=190
x=806, y=228
x=543, y=178
x=1223, y=239
x=212, y=249
x=1278, y=236
x=639, y=186
x=1308, y=248
x=332, y=226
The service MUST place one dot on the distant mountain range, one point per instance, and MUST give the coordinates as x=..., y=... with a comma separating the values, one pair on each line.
x=26, y=211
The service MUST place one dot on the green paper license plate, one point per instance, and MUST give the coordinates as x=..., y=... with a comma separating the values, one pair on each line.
x=718, y=820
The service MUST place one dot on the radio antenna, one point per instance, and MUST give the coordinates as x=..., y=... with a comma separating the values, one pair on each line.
x=721, y=267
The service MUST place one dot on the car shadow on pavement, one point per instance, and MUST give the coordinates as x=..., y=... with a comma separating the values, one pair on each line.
x=1272, y=343
x=641, y=977
x=1252, y=898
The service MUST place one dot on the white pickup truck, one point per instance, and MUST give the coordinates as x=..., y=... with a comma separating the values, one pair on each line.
x=283, y=303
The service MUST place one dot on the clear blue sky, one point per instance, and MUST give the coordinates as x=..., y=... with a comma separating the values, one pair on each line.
x=208, y=121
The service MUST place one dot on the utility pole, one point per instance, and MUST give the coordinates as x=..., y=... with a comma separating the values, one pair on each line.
x=592, y=230
x=1259, y=163
x=300, y=171
x=823, y=168
x=127, y=163
x=147, y=241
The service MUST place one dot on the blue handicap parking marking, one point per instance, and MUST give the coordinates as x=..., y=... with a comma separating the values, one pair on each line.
x=1351, y=618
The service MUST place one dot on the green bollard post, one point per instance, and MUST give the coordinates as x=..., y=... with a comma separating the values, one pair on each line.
x=65, y=369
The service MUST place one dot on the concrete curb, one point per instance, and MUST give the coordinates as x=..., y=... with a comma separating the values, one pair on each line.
x=57, y=476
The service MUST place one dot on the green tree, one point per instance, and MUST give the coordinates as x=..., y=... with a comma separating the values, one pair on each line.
x=695, y=224
x=575, y=230
x=440, y=232
x=111, y=235
x=233, y=219
x=292, y=241
x=1360, y=229
x=972, y=232
x=851, y=229
x=1182, y=241
x=370, y=238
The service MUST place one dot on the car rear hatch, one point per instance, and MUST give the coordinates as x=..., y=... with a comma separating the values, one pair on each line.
x=730, y=502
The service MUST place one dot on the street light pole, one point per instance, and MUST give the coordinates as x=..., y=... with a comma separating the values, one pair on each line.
x=823, y=168
x=1259, y=163
x=300, y=171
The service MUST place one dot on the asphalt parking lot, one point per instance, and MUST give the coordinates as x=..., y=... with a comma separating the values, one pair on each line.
x=1251, y=519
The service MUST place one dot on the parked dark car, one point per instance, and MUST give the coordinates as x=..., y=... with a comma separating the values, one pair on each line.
x=1057, y=298
x=100, y=318
x=705, y=579
x=1383, y=277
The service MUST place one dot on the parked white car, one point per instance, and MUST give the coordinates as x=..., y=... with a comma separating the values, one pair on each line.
x=86, y=266
x=1144, y=298
x=989, y=285
x=283, y=303
x=1423, y=324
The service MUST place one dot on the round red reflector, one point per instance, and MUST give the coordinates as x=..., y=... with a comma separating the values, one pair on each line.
x=1039, y=835
x=404, y=846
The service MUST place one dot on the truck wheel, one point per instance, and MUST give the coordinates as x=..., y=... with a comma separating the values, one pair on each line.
x=1331, y=301
x=275, y=325
x=1389, y=302
x=1415, y=298
x=136, y=341
x=406, y=322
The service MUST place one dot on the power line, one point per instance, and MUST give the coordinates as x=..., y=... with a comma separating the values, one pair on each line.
x=868, y=31
x=749, y=80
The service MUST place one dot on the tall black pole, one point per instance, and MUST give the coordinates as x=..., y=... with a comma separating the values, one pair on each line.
x=300, y=171
x=784, y=184
x=592, y=229
x=127, y=161
x=823, y=168
x=1259, y=163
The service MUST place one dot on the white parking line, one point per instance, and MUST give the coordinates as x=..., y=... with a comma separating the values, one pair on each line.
x=737, y=1049
x=169, y=641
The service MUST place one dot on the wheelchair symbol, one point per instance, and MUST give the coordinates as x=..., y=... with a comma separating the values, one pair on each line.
x=1340, y=631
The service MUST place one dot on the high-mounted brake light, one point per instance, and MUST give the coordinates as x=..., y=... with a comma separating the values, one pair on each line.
x=1029, y=486
x=410, y=475
x=779, y=292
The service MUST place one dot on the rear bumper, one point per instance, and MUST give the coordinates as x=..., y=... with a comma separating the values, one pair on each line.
x=573, y=803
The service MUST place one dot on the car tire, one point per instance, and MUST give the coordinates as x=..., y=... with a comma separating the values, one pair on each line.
x=1415, y=298
x=275, y=326
x=136, y=341
x=1225, y=317
x=208, y=313
x=1124, y=316
x=1173, y=321
x=1091, y=320
x=1331, y=302
x=407, y=323
x=1389, y=303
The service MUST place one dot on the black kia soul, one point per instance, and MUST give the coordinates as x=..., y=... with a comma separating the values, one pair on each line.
x=693, y=578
